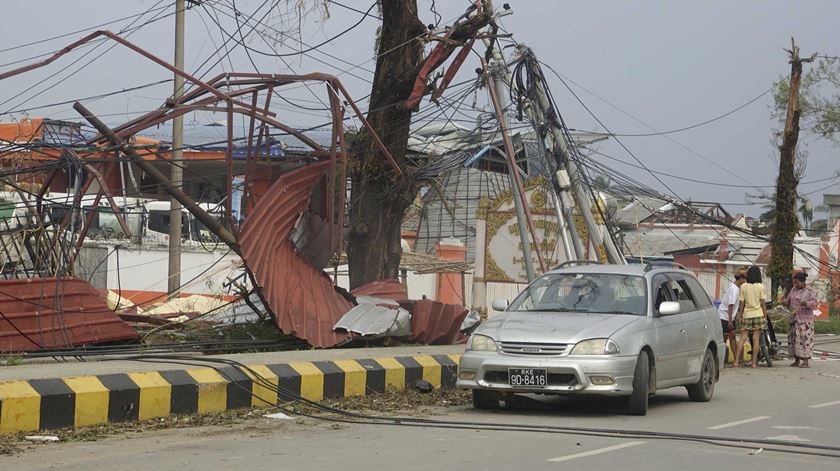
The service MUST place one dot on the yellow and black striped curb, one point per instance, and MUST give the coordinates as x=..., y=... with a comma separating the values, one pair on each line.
x=43, y=404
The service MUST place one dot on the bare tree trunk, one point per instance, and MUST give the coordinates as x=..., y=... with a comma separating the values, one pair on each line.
x=378, y=201
x=787, y=223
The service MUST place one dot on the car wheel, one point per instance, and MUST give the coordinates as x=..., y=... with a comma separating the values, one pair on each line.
x=703, y=390
x=637, y=403
x=485, y=399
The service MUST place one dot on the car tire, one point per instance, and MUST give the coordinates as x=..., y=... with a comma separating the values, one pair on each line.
x=704, y=388
x=637, y=402
x=485, y=400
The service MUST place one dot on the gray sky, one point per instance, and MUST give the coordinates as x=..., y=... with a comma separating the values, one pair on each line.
x=669, y=64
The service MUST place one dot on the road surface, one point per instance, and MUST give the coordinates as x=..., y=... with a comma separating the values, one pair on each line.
x=781, y=403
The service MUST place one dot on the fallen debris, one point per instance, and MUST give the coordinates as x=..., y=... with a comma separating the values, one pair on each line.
x=49, y=313
x=42, y=438
x=301, y=296
x=424, y=386
x=435, y=323
x=376, y=318
x=389, y=289
x=278, y=415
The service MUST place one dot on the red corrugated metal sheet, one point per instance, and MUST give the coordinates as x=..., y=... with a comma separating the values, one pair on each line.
x=48, y=313
x=435, y=323
x=387, y=289
x=302, y=297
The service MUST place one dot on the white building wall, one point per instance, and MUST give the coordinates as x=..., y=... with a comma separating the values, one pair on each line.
x=147, y=269
x=419, y=285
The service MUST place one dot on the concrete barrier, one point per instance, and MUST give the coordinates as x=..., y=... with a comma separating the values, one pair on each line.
x=43, y=404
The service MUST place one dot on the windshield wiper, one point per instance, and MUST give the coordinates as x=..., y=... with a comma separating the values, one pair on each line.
x=623, y=312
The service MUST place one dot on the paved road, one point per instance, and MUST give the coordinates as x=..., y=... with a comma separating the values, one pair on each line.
x=782, y=403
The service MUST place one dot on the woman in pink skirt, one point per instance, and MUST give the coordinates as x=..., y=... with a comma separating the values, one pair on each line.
x=801, y=300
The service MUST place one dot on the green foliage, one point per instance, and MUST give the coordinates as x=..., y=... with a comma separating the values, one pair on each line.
x=819, y=99
x=830, y=326
x=818, y=228
x=11, y=360
x=806, y=211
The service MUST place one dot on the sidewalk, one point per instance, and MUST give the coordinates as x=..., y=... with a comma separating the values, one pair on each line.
x=74, y=394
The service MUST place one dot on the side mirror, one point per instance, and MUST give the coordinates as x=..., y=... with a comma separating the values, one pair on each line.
x=500, y=304
x=669, y=307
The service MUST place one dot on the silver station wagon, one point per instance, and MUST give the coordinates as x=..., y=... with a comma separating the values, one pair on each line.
x=612, y=330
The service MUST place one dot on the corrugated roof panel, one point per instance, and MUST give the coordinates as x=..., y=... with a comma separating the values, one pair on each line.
x=435, y=323
x=376, y=320
x=389, y=289
x=302, y=297
x=51, y=313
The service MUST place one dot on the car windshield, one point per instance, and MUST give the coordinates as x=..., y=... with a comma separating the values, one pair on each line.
x=584, y=292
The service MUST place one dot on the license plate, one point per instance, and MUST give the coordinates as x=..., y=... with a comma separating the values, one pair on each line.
x=527, y=377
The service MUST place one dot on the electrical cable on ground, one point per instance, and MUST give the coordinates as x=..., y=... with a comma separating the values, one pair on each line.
x=345, y=416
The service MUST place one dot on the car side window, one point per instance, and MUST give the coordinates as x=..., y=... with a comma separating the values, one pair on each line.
x=662, y=292
x=683, y=295
x=700, y=296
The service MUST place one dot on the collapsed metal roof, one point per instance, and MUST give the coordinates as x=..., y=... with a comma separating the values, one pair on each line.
x=302, y=297
x=374, y=318
x=53, y=313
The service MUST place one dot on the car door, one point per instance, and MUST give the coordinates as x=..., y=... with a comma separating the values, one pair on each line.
x=671, y=342
x=697, y=325
x=702, y=325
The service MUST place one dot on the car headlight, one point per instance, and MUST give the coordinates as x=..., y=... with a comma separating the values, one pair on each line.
x=481, y=343
x=596, y=347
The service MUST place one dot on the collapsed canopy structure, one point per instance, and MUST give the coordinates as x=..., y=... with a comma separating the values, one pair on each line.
x=293, y=216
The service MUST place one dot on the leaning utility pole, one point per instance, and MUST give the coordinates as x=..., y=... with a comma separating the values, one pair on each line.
x=523, y=216
x=177, y=172
x=568, y=178
x=787, y=223
x=520, y=203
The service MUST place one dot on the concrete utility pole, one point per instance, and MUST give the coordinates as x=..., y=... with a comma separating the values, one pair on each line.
x=570, y=178
x=177, y=173
x=564, y=203
x=522, y=217
x=787, y=223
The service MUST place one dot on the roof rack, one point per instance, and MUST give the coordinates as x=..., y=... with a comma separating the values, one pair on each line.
x=650, y=265
x=574, y=263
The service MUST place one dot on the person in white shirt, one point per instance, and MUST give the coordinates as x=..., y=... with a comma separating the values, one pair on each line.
x=729, y=307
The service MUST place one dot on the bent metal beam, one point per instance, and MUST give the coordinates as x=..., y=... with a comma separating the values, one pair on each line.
x=212, y=223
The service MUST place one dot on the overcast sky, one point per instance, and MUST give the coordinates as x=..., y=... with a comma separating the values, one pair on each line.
x=668, y=64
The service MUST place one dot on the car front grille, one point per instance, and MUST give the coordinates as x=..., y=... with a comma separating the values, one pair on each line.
x=533, y=349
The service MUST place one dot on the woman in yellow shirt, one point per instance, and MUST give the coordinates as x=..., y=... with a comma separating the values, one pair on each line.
x=752, y=314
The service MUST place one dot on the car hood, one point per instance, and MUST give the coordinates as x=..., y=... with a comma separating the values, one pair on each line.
x=553, y=327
